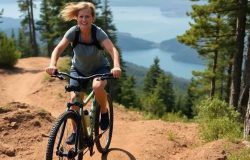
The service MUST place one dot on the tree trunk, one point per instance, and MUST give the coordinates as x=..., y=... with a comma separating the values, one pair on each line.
x=33, y=29
x=215, y=59
x=213, y=81
x=243, y=101
x=30, y=27
x=238, y=55
x=247, y=120
x=244, y=105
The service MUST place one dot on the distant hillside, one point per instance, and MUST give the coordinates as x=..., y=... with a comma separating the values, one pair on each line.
x=182, y=52
x=8, y=24
x=127, y=42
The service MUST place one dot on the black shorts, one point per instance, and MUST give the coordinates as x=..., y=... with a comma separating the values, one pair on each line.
x=84, y=83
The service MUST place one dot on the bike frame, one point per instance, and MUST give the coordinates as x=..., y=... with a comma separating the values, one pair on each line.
x=88, y=136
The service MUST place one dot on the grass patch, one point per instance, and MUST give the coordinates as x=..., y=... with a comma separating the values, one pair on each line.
x=47, y=77
x=171, y=136
x=64, y=64
x=168, y=117
x=174, y=117
x=241, y=155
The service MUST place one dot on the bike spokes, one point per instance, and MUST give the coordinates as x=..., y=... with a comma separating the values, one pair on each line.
x=62, y=150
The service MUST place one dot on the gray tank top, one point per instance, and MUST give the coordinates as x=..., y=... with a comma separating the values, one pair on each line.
x=87, y=58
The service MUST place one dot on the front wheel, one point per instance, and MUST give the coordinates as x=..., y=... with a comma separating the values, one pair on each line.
x=103, y=138
x=57, y=147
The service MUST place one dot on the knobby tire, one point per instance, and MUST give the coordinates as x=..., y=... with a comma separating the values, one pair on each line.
x=103, y=147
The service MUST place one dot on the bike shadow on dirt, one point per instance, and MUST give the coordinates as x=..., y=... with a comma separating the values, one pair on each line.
x=16, y=70
x=118, y=151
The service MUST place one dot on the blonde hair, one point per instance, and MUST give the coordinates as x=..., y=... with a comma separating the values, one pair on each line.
x=70, y=11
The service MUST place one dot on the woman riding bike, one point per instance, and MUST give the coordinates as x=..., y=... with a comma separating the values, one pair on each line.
x=88, y=57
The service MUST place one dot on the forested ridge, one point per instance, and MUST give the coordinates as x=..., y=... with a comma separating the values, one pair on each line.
x=219, y=33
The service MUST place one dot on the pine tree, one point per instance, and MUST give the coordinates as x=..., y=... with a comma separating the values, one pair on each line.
x=45, y=27
x=28, y=23
x=51, y=26
x=158, y=93
x=127, y=95
x=1, y=13
x=164, y=91
x=211, y=35
x=107, y=21
x=23, y=43
x=151, y=77
x=191, y=97
x=8, y=52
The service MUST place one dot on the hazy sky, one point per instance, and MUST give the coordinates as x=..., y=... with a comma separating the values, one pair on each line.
x=11, y=8
x=7, y=1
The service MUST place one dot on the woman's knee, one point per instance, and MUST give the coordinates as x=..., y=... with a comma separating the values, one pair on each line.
x=98, y=86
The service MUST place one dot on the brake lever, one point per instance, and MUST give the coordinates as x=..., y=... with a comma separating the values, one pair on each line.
x=61, y=77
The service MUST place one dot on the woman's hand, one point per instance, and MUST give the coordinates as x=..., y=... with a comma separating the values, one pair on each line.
x=116, y=71
x=51, y=70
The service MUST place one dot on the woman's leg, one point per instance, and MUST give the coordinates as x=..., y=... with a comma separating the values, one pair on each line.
x=100, y=94
x=73, y=98
x=101, y=97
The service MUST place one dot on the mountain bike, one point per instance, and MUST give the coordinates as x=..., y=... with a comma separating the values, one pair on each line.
x=86, y=125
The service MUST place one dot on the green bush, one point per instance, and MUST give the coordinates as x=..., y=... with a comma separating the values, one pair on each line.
x=64, y=64
x=152, y=104
x=8, y=52
x=218, y=120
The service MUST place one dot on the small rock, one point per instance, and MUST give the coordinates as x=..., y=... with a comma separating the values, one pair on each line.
x=45, y=135
x=37, y=124
x=10, y=152
x=13, y=124
x=7, y=150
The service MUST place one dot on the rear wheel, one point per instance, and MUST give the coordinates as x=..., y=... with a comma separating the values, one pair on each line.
x=57, y=147
x=103, y=138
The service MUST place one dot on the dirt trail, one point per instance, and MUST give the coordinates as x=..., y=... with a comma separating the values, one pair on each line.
x=24, y=136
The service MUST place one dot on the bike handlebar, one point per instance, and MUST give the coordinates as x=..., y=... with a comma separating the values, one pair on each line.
x=62, y=75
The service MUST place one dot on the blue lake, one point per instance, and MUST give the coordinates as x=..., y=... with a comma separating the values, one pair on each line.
x=150, y=24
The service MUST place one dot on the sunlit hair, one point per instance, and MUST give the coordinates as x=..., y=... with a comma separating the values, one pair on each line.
x=70, y=11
